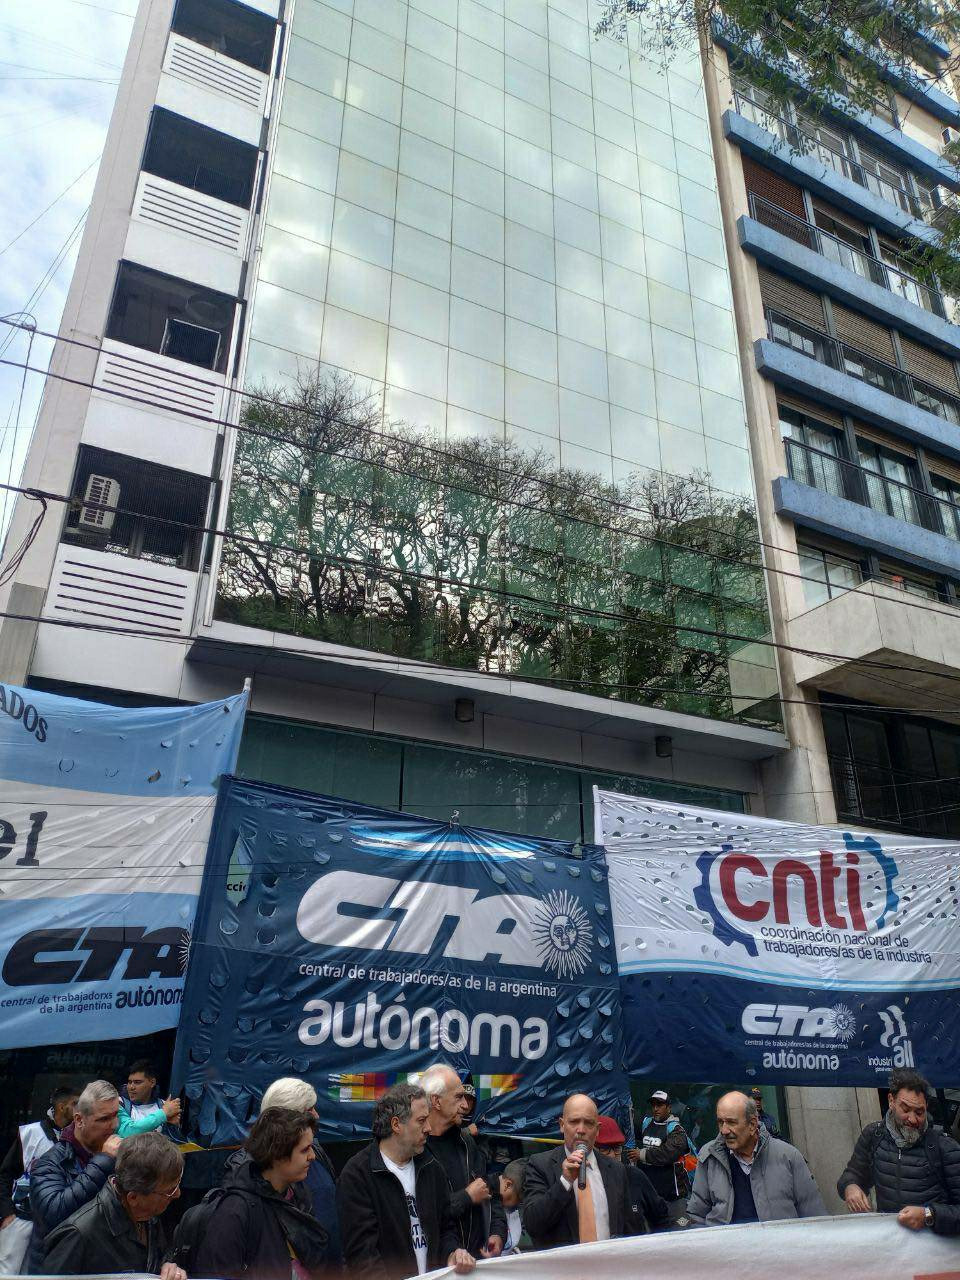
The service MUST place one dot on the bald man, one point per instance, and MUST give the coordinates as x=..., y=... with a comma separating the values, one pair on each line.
x=555, y=1210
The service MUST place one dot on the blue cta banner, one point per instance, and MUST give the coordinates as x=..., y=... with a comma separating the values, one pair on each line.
x=770, y=951
x=104, y=819
x=355, y=947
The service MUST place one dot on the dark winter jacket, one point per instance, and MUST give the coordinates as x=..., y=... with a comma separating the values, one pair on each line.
x=550, y=1210
x=905, y=1176
x=61, y=1182
x=375, y=1224
x=650, y=1211
x=100, y=1239
x=663, y=1147
x=11, y=1171
x=462, y=1161
x=252, y=1227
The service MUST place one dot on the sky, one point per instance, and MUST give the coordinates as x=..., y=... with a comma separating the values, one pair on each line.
x=60, y=62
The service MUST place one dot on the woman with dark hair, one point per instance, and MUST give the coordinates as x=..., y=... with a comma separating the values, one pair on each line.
x=262, y=1226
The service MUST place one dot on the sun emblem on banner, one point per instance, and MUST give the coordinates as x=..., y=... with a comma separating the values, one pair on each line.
x=844, y=1023
x=183, y=949
x=562, y=934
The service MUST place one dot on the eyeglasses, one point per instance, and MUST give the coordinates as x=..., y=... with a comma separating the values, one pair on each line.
x=168, y=1195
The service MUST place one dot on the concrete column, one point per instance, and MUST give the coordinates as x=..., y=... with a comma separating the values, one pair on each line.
x=825, y=1124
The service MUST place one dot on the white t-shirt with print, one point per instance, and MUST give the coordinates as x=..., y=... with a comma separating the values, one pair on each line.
x=406, y=1175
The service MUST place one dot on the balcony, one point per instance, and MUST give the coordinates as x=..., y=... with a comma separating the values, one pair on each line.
x=780, y=145
x=880, y=622
x=149, y=379
x=94, y=587
x=826, y=471
x=849, y=257
x=206, y=85
x=836, y=374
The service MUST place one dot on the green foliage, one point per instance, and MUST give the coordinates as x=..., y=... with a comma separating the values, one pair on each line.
x=479, y=555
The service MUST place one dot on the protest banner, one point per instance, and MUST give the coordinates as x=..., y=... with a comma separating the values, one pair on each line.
x=750, y=948
x=860, y=1247
x=355, y=947
x=104, y=819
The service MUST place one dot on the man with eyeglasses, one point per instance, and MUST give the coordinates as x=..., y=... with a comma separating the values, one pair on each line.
x=120, y=1230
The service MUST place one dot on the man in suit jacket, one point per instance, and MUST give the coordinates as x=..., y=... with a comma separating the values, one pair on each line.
x=555, y=1211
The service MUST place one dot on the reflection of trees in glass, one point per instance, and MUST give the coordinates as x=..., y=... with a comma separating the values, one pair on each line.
x=477, y=554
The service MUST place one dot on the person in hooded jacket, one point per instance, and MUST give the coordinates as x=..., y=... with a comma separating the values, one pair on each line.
x=263, y=1226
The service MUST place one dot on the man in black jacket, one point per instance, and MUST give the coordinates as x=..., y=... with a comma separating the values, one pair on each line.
x=556, y=1211
x=392, y=1197
x=120, y=1230
x=650, y=1210
x=474, y=1199
x=76, y=1168
x=912, y=1164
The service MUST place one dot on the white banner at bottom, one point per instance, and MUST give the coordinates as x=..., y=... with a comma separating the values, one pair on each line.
x=865, y=1247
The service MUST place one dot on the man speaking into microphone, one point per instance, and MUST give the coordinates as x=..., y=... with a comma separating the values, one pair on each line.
x=573, y=1194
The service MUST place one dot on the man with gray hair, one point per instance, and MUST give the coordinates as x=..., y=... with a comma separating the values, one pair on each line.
x=393, y=1199
x=746, y=1175
x=119, y=1230
x=75, y=1169
x=474, y=1199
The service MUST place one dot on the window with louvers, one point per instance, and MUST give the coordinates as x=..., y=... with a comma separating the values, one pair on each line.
x=863, y=334
x=780, y=294
x=930, y=366
x=770, y=186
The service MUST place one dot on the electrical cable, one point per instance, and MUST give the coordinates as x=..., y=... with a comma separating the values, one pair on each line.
x=41, y=287
x=43, y=212
x=471, y=464
x=368, y=566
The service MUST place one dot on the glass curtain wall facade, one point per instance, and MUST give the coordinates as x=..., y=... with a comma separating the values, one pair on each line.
x=493, y=297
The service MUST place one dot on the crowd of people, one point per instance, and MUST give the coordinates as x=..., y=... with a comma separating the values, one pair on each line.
x=84, y=1190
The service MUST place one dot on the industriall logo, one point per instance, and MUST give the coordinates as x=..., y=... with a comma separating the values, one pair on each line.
x=786, y=897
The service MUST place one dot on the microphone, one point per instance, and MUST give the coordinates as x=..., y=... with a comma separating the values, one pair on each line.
x=582, y=1171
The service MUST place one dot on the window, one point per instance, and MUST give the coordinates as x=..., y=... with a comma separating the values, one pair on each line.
x=171, y=317
x=948, y=504
x=158, y=514
x=910, y=580
x=826, y=575
x=814, y=452
x=886, y=180
x=202, y=159
x=892, y=483
x=797, y=336
x=229, y=28
x=892, y=770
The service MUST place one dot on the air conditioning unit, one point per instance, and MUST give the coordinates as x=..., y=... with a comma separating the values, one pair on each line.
x=101, y=492
x=949, y=134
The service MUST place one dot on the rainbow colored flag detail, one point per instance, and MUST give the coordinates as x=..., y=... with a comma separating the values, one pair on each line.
x=494, y=1086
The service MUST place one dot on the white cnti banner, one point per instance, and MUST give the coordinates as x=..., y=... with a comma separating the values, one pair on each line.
x=780, y=952
x=865, y=1247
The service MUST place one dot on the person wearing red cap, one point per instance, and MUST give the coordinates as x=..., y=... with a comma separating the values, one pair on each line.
x=557, y=1210
x=650, y=1210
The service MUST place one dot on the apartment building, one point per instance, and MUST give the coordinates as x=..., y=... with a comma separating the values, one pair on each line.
x=850, y=368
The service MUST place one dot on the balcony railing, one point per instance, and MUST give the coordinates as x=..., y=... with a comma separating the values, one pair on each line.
x=831, y=474
x=846, y=255
x=847, y=359
x=807, y=143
